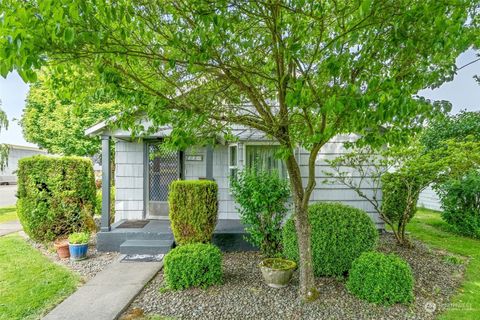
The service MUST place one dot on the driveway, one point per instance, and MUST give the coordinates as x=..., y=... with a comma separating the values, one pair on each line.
x=7, y=195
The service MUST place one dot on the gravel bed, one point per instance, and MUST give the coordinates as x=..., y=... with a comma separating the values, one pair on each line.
x=245, y=296
x=87, y=268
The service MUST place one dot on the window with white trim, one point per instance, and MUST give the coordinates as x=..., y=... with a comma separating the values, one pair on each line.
x=233, y=161
x=263, y=157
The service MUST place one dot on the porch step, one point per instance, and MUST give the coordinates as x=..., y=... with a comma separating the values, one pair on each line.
x=146, y=246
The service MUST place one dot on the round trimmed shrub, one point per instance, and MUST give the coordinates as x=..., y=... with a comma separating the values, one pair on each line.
x=56, y=196
x=340, y=233
x=193, y=210
x=380, y=278
x=193, y=265
x=461, y=203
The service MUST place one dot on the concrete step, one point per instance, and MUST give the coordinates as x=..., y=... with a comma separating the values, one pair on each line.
x=146, y=246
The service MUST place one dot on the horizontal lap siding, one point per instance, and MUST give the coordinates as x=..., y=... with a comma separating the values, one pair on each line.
x=429, y=199
x=129, y=182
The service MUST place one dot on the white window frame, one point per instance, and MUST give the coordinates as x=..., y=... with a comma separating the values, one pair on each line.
x=230, y=166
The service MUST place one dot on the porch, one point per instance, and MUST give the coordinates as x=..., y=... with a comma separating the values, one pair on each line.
x=155, y=237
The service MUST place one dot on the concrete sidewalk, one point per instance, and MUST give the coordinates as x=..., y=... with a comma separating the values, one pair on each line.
x=108, y=294
x=10, y=227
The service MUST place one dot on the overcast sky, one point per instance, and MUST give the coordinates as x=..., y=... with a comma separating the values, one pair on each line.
x=463, y=92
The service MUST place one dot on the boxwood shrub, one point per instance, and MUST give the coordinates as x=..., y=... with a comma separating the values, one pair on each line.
x=380, y=278
x=56, y=196
x=193, y=265
x=340, y=233
x=193, y=210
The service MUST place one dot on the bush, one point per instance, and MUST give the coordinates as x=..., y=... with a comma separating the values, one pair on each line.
x=98, y=207
x=380, y=278
x=262, y=196
x=193, y=210
x=461, y=203
x=340, y=233
x=79, y=238
x=56, y=196
x=193, y=265
x=399, y=203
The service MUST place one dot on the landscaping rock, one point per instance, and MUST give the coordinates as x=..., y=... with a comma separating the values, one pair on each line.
x=244, y=295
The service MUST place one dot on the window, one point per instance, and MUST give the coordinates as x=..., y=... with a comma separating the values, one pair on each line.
x=233, y=161
x=263, y=157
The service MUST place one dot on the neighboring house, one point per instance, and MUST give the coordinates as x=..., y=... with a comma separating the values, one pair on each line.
x=429, y=199
x=9, y=175
x=142, y=176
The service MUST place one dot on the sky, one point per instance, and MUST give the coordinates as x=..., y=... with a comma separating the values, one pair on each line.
x=463, y=92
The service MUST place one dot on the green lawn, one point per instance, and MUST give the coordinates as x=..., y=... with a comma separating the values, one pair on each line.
x=30, y=284
x=8, y=214
x=430, y=228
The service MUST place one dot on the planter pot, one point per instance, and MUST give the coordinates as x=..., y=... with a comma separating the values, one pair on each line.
x=78, y=251
x=62, y=248
x=277, y=272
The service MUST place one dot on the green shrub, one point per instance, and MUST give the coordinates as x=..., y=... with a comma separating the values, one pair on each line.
x=56, y=196
x=193, y=265
x=380, y=278
x=400, y=192
x=98, y=207
x=340, y=233
x=193, y=210
x=262, y=196
x=461, y=203
x=79, y=237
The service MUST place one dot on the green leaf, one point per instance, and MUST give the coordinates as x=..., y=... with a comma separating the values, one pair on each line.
x=68, y=35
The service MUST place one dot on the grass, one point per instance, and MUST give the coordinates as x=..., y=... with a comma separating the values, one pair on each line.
x=30, y=284
x=429, y=227
x=8, y=214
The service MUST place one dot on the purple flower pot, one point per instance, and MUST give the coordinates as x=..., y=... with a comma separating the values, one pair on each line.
x=78, y=251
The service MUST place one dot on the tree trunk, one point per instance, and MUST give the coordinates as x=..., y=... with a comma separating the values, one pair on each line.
x=308, y=291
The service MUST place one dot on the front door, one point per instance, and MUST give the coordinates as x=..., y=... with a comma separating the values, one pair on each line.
x=163, y=168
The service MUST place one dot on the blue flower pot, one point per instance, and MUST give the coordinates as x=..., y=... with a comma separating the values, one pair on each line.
x=78, y=251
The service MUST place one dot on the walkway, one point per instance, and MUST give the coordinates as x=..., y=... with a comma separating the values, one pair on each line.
x=108, y=294
x=10, y=227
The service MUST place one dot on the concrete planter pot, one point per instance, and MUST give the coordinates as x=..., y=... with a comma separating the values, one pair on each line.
x=277, y=272
x=61, y=245
x=78, y=251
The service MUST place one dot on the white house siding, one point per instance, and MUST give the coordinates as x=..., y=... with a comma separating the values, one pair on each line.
x=429, y=199
x=9, y=175
x=129, y=168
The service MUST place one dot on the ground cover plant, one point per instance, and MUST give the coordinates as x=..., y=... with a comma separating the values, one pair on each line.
x=340, y=234
x=31, y=284
x=429, y=227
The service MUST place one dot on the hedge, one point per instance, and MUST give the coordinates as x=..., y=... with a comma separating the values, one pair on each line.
x=193, y=265
x=56, y=196
x=340, y=234
x=380, y=278
x=193, y=210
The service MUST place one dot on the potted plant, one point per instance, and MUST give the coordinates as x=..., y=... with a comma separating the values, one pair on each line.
x=78, y=245
x=61, y=245
x=277, y=272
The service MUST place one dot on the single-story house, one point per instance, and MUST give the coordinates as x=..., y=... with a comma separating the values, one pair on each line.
x=142, y=179
x=15, y=153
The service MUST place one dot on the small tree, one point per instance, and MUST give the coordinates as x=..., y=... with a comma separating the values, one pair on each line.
x=402, y=173
x=262, y=196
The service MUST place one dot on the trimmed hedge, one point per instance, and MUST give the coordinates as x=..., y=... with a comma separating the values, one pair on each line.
x=56, y=196
x=340, y=233
x=193, y=265
x=193, y=210
x=380, y=278
x=461, y=203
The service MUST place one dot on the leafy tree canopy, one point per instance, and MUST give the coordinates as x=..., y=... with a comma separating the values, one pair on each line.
x=56, y=114
x=465, y=125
